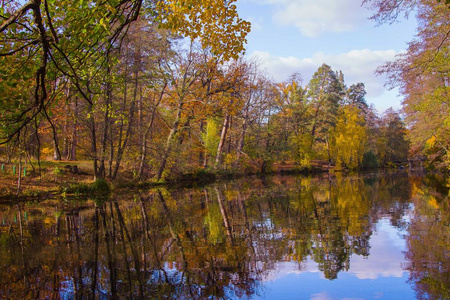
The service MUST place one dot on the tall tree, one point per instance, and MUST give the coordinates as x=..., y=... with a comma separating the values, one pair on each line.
x=355, y=96
x=294, y=120
x=324, y=95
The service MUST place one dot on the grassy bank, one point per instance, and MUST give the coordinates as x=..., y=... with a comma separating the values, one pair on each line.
x=53, y=178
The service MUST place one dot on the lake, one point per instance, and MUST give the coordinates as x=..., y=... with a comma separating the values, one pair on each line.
x=282, y=237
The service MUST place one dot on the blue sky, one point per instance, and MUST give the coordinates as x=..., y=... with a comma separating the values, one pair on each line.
x=299, y=35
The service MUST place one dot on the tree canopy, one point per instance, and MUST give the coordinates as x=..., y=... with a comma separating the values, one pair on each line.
x=422, y=74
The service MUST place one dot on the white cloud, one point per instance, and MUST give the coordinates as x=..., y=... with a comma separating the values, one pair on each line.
x=357, y=66
x=314, y=18
x=386, y=255
x=281, y=270
x=321, y=296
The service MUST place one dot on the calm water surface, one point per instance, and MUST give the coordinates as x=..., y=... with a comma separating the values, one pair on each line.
x=360, y=237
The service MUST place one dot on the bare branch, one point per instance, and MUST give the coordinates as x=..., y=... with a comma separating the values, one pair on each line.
x=20, y=12
x=35, y=42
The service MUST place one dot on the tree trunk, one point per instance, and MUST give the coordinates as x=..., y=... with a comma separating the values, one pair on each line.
x=147, y=131
x=72, y=153
x=121, y=148
x=56, y=153
x=111, y=152
x=223, y=137
x=93, y=132
x=19, y=179
x=169, y=142
x=313, y=129
x=240, y=147
x=106, y=124
x=226, y=221
x=328, y=151
x=230, y=136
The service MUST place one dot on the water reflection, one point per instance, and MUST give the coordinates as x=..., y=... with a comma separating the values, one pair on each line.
x=429, y=239
x=230, y=240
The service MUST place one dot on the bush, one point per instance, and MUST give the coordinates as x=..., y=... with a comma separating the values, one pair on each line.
x=99, y=190
x=369, y=160
x=101, y=186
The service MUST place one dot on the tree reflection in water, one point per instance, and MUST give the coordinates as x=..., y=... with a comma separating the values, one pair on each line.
x=220, y=241
x=429, y=239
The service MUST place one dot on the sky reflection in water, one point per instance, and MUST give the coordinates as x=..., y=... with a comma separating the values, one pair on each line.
x=379, y=276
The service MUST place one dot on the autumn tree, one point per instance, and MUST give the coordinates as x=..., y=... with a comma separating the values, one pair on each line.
x=393, y=145
x=422, y=74
x=44, y=41
x=254, y=140
x=349, y=137
x=293, y=121
x=260, y=136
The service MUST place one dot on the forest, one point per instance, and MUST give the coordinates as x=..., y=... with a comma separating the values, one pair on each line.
x=157, y=90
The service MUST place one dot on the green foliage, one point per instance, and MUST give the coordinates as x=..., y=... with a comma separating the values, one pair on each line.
x=211, y=136
x=355, y=96
x=77, y=189
x=57, y=171
x=301, y=148
x=394, y=145
x=101, y=186
x=99, y=191
x=369, y=161
x=325, y=94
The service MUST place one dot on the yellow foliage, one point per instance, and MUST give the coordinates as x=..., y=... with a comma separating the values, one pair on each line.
x=416, y=190
x=229, y=159
x=433, y=203
x=306, y=161
x=46, y=151
x=350, y=138
x=305, y=182
x=216, y=23
x=215, y=225
x=431, y=142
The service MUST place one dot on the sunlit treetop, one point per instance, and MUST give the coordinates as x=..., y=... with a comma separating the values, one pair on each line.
x=215, y=22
